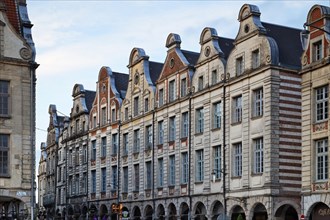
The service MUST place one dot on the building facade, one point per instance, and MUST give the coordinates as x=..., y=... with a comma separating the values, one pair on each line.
x=315, y=118
x=17, y=95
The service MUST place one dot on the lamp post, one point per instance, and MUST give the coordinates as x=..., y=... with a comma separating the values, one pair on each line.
x=214, y=174
x=304, y=34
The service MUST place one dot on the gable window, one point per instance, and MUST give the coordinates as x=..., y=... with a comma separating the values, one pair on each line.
x=93, y=153
x=103, y=116
x=257, y=102
x=148, y=137
x=237, y=148
x=114, y=144
x=199, y=120
x=322, y=152
x=214, y=76
x=126, y=113
x=136, y=106
x=171, y=129
x=161, y=97
x=160, y=132
x=103, y=147
x=125, y=144
x=199, y=165
x=321, y=103
x=4, y=150
x=113, y=115
x=217, y=161
x=160, y=172
x=255, y=59
x=146, y=105
x=136, y=177
x=172, y=170
x=125, y=179
x=184, y=167
x=184, y=125
x=217, y=115
x=171, y=92
x=183, y=87
x=136, y=140
x=4, y=98
x=317, y=50
x=237, y=109
x=94, y=121
x=258, y=155
x=200, y=83
x=77, y=126
x=148, y=174
x=239, y=66
x=114, y=180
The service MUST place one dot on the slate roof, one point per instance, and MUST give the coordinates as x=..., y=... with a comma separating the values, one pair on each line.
x=155, y=69
x=288, y=42
x=191, y=56
x=226, y=45
x=89, y=99
x=60, y=120
x=121, y=81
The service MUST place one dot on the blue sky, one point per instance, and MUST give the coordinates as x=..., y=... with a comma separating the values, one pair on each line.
x=74, y=39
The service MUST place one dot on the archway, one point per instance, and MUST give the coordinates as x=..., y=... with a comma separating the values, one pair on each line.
x=148, y=212
x=260, y=212
x=172, y=212
x=103, y=212
x=136, y=213
x=217, y=211
x=320, y=211
x=160, y=213
x=92, y=211
x=200, y=212
x=286, y=212
x=184, y=211
x=238, y=213
x=84, y=211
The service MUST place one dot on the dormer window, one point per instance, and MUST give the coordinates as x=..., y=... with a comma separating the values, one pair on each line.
x=255, y=59
x=200, y=83
x=317, y=50
x=113, y=115
x=239, y=66
x=146, y=105
x=161, y=97
x=126, y=113
x=136, y=106
x=214, y=77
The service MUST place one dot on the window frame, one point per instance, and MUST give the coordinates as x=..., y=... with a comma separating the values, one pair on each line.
x=322, y=160
x=5, y=101
x=5, y=153
x=258, y=145
x=239, y=66
x=321, y=103
x=258, y=102
x=184, y=124
x=216, y=122
x=237, y=160
x=171, y=129
x=199, y=165
x=237, y=109
x=171, y=90
x=199, y=120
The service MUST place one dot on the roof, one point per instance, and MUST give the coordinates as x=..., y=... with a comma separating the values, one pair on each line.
x=121, y=81
x=12, y=13
x=191, y=56
x=155, y=69
x=226, y=45
x=89, y=99
x=288, y=42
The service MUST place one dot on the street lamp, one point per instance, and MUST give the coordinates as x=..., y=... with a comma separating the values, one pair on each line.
x=304, y=34
x=214, y=175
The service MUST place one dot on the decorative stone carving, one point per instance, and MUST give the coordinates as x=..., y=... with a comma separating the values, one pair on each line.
x=25, y=53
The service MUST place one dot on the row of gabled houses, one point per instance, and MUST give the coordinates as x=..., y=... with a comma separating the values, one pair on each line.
x=239, y=129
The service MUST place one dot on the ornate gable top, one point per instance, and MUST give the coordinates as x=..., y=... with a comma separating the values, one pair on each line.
x=78, y=89
x=173, y=40
x=136, y=55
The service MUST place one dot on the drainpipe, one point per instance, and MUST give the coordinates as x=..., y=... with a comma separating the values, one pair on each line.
x=118, y=167
x=224, y=149
x=189, y=153
x=153, y=159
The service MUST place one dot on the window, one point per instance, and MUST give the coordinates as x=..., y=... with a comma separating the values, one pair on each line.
x=184, y=167
x=94, y=121
x=93, y=176
x=83, y=126
x=184, y=125
x=258, y=155
x=136, y=139
x=322, y=160
x=113, y=115
x=146, y=104
x=103, y=116
x=161, y=97
x=160, y=172
x=125, y=181
x=199, y=165
x=77, y=126
x=239, y=66
x=148, y=137
x=103, y=179
x=76, y=184
x=160, y=132
x=126, y=114
x=172, y=170
x=84, y=154
x=114, y=180
x=70, y=162
x=183, y=87
x=136, y=177
x=4, y=150
x=237, y=109
x=317, y=50
x=4, y=98
x=76, y=157
x=258, y=102
x=200, y=83
x=214, y=76
x=199, y=120
x=59, y=174
x=93, y=153
x=217, y=161
x=136, y=106
x=114, y=144
x=125, y=143
x=70, y=186
x=171, y=129
x=237, y=159
x=148, y=174
x=322, y=103
x=84, y=183
x=171, y=90
x=255, y=59
x=103, y=147
x=217, y=115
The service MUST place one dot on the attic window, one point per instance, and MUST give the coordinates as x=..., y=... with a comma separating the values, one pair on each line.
x=77, y=108
x=317, y=50
x=103, y=87
x=172, y=63
x=207, y=51
x=246, y=28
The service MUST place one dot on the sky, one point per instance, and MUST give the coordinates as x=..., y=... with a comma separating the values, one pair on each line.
x=74, y=39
